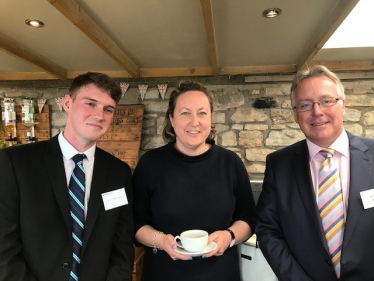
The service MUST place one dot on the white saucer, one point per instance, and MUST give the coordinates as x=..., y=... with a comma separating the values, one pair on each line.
x=208, y=249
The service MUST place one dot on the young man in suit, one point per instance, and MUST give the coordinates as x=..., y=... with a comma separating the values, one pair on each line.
x=63, y=221
x=313, y=223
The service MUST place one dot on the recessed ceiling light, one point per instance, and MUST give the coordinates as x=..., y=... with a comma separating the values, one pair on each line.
x=271, y=13
x=34, y=23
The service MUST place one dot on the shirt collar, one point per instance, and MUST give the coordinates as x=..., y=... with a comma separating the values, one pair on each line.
x=68, y=151
x=341, y=145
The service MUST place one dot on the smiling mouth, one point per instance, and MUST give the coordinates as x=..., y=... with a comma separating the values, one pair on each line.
x=193, y=132
x=95, y=125
x=319, y=124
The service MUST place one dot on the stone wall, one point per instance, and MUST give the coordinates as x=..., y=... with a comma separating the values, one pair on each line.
x=250, y=119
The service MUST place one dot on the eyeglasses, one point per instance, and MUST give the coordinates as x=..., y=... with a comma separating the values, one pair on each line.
x=308, y=105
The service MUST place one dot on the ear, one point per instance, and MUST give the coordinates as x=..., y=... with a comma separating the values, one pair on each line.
x=66, y=103
x=295, y=116
x=171, y=120
x=342, y=103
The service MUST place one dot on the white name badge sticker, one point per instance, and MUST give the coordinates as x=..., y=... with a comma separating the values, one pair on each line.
x=367, y=198
x=114, y=199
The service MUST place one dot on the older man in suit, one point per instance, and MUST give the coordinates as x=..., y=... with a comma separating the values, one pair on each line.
x=63, y=219
x=315, y=213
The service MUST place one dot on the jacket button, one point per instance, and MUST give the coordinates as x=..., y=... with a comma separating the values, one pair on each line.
x=65, y=265
x=328, y=262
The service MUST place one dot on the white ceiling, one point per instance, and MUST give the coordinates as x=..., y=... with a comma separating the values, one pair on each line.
x=167, y=38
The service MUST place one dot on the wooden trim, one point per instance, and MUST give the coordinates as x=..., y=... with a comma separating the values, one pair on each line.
x=175, y=72
x=281, y=71
x=237, y=70
x=289, y=78
x=346, y=65
x=268, y=78
x=16, y=76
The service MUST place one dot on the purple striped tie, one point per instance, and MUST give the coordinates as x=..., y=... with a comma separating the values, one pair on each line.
x=330, y=205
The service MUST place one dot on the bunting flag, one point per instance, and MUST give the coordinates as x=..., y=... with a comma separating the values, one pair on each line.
x=41, y=103
x=142, y=90
x=124, y=86
x=162, y=89
x=59, y=102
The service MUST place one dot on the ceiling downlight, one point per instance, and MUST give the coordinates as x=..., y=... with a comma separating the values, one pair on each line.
x=34, y=23
x=272, y=12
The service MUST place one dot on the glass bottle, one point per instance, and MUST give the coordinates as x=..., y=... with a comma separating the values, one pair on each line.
x=9, y=140
x=8, y=116
x=28, y=111
x=29, y=138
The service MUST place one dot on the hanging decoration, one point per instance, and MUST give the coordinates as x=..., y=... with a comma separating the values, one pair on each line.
x=41, y=103
x=124, y=86
x=59, y=102
x=142, y=90
x=162, y=89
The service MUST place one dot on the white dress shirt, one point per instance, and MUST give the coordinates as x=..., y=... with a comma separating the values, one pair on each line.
x=342, y=160
x=68, y=152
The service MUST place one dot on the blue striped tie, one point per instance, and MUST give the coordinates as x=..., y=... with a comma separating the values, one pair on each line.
x=76, y=192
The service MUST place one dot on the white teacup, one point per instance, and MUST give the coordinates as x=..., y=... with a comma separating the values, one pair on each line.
x=193, y=240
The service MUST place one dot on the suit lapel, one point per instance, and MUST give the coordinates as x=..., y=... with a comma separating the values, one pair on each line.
x=98, y=186
x=305, y=186
x=56, y=172
x=361, y=164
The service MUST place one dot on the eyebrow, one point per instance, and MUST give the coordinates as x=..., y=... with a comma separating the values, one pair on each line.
x=105, y=106
x=201, y=108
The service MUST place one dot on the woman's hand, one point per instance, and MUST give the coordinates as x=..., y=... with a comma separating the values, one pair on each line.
x=222, y=239
x=166, y=242
x=149, y=237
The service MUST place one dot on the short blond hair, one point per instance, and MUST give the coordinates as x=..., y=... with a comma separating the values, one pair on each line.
x=316, y=71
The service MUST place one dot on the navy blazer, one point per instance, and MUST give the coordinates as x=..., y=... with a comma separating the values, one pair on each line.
x=289, y=228
x=35, y=222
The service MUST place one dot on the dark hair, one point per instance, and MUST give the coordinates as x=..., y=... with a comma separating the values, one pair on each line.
x=100, y=80
x=316, y=71
x=168, y=132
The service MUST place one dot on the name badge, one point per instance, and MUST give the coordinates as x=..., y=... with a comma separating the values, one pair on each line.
x=114, y=199
x=367, y=198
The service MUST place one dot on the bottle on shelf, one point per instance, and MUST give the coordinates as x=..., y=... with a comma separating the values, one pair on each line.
x=28, y=112
x=9, y=140
x=29, y=138
x=8, y=116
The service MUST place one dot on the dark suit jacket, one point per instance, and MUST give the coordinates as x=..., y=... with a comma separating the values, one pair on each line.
x=35, y=222
x=289, y=228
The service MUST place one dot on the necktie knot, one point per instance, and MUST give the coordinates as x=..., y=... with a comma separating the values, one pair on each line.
x=327, y=152
x=78, y=158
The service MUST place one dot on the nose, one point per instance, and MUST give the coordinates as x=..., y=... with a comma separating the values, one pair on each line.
x=317, y=109
x=99, y=114
x=194, y=120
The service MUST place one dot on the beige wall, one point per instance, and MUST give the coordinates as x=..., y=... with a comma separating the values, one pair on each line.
x=252, y=133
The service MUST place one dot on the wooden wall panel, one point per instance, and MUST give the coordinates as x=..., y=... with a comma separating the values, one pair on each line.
x=123, y=137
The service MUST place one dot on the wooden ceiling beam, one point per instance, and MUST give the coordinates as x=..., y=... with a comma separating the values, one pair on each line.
x=17, y=50
x=238, y=70
x=269, y=73
x=333, y=21
x=210, y=34
x=175, y=72
x=71, y=10
x=346, y=65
